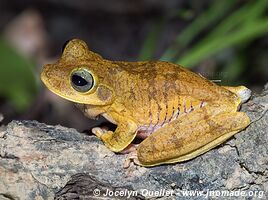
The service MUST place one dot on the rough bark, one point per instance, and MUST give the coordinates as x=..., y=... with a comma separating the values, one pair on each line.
x=39, y=161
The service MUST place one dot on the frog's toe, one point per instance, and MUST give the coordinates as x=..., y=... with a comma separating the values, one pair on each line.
x=130, y=148
x=132, y=157
x=98, y=131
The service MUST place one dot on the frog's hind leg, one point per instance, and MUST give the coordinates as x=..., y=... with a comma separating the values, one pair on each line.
x=191, y=135
x=242, y=92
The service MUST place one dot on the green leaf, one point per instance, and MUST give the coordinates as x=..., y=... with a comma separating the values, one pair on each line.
x=208, y=17
x=241, y=17
x=18, y=83
x=202, y=51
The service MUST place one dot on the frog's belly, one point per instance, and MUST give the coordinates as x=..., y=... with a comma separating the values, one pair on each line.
x=144, y=131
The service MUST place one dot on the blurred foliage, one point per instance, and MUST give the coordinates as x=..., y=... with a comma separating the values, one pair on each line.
x=18, y=83
x=243, y=24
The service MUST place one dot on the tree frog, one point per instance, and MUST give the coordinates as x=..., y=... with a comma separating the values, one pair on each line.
x=178, y=114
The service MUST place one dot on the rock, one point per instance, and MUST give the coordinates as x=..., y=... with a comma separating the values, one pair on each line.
x=39, y=161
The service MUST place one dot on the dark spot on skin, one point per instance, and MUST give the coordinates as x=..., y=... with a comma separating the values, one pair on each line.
x=113, y=71
x=132, y=94
x=175, y=140
x=104, y=93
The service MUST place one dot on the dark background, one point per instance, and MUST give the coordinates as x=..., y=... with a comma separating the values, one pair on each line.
x=224, y=41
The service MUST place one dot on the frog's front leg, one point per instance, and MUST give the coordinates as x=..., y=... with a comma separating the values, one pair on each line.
x=119, y=139
x=191, y=135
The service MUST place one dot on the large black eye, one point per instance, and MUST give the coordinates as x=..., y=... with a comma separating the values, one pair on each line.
x=82, y=80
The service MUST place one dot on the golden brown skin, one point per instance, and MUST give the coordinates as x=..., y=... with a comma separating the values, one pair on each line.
x=178, y=113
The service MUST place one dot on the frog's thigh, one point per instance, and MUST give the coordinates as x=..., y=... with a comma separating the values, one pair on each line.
x=181, y=140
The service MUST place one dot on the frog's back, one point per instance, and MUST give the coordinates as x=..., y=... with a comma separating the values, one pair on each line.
x=155, y=92
x=167, y=77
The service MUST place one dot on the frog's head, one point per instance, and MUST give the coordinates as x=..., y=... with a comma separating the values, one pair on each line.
x=77, y=75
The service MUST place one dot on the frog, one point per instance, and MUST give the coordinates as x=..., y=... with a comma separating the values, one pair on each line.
x=177, y=114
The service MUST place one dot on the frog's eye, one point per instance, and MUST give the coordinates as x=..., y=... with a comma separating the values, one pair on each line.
x=82, y=80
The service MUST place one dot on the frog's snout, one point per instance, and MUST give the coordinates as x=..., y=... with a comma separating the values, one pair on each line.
x=44, y=74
